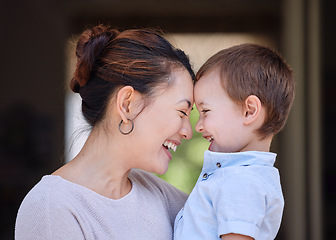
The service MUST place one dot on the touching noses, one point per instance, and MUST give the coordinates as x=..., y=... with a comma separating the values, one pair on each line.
x=186, y=129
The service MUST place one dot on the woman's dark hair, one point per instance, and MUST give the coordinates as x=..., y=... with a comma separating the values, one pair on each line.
x=108, y=59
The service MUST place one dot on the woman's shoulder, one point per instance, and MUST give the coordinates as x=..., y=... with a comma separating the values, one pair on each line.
x=50, y=184
x=42, y=188
x=152, y=182
x=44, y=208
x=173, y=198
x=51, y=193
x=35, y=205
x=42, y=193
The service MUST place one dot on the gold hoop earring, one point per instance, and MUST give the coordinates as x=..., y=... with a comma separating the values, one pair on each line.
x=126, y=133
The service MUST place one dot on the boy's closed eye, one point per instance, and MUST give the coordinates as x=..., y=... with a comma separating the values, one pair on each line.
x=203, y=111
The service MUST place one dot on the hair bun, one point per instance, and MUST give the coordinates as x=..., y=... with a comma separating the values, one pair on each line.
x=90, y=46
x=74, y=85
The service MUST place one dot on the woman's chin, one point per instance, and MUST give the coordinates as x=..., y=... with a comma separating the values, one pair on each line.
x=161, y=170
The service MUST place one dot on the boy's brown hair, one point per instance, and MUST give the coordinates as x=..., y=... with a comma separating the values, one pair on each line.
x=250, y=69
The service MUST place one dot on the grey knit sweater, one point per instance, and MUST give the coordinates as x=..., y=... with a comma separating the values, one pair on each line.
x=58, y=209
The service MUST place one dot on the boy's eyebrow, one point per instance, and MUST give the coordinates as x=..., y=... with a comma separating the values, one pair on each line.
x=202, y=103
x=185, y=100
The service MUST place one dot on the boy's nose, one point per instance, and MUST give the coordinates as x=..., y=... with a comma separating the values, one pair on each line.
x=199, y=126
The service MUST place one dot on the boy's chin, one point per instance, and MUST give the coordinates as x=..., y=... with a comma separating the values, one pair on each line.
x=216, y=148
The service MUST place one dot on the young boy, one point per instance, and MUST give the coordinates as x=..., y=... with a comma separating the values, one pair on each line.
x=244, y=94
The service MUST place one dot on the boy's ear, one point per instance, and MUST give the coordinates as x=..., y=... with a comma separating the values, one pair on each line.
x=126, y=102
x=252, y=109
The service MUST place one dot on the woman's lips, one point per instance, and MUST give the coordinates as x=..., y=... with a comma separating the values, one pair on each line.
x=167, y=152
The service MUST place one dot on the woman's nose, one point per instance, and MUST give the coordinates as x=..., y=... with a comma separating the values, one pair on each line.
x=186, y=129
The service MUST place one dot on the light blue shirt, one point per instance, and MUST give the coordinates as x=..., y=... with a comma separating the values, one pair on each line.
x=235, y=193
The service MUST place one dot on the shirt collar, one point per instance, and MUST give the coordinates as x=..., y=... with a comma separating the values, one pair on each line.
x=215, y=160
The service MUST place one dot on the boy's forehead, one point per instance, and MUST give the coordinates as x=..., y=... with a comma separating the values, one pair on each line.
x=203, y=91
x=208, y=82
x=212, y=76
x=209, y=88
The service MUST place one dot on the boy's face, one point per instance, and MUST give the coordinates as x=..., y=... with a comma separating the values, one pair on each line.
x=221, y=120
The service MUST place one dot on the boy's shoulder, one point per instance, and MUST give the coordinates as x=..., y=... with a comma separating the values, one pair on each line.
x=263, y=180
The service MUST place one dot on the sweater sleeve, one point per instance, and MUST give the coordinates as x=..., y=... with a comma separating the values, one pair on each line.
x=44, y=216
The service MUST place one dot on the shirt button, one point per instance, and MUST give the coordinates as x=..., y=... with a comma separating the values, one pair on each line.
x=218, y=165
x=205, y=176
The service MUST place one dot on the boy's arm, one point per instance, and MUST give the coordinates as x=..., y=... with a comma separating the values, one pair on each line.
x=233, y=236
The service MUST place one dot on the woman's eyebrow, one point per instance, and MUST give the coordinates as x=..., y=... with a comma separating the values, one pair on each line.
x=185, y=100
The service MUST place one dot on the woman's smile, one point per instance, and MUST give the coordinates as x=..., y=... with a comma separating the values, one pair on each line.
x=170, y=145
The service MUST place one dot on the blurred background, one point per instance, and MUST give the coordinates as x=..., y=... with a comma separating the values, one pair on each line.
x=41, y=127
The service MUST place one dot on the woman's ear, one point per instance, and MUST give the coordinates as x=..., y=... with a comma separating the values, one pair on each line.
x=126, y=98
x=252, y=109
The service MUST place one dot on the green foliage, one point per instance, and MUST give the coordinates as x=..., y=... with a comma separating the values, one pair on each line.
x=187, y=161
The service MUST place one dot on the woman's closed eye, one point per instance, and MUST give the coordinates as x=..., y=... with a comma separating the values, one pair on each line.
x=205, y=111
x=183, y=112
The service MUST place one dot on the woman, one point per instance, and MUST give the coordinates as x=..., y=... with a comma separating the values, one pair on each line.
x=137, y=93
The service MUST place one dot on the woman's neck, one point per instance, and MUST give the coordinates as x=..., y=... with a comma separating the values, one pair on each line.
x=99, y=166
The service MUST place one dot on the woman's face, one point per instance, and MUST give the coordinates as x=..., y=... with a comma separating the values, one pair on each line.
x=161, y=126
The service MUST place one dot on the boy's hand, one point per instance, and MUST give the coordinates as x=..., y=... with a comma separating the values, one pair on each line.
x=233, y=236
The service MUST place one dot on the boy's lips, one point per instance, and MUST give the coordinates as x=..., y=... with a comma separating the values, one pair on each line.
x=210, y=146
x=209, y=138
